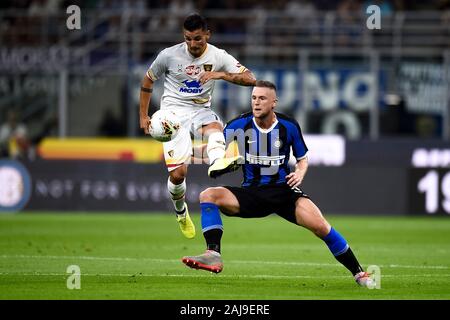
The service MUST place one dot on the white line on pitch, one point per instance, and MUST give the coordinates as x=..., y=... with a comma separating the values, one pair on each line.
x=255, y=276
x=313, y=264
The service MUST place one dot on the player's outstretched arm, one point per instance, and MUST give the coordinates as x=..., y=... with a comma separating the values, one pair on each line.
x=144, y=101
x=294, y=179
x=245, y=78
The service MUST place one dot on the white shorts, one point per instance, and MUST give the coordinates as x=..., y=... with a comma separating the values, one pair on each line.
x=179, y=150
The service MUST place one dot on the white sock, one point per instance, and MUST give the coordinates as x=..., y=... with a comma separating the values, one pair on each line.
x=216, y=146
x=177, y=192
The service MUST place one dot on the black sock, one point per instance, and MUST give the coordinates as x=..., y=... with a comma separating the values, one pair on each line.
x=349, y=260
x=212, y=238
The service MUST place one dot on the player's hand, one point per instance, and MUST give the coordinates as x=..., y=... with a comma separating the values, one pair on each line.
x=293, y=180
x=145, y=123
x=209, y=75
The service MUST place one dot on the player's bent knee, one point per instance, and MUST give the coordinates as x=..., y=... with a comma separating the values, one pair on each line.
x=212, y=128
x=322, y=228
x=208, y=195
x=213, y=195
x=178, y=175
x=221, y=197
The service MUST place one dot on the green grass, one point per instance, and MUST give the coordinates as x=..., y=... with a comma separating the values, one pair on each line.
x=137, y=256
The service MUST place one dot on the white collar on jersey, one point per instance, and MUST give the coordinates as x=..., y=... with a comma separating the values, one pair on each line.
x=265, y=130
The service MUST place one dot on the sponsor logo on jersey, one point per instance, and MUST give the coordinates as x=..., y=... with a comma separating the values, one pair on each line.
x=170, y=153
x=278, y=143
x=192, y=70
x=192, y=86
x=207, y=67
x=265, y=160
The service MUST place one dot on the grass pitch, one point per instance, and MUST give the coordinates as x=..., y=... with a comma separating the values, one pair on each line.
x=138, y=256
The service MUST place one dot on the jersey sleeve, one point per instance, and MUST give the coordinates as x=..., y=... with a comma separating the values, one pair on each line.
x=229, y=63
x=158, y=67
x=299, y=147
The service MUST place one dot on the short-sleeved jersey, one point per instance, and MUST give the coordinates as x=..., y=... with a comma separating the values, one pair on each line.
x=266, y=151
x=182, y=70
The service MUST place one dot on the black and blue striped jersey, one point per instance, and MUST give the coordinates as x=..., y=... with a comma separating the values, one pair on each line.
x=266, y=151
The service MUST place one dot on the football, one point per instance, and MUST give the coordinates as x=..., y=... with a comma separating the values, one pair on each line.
x=164, y=125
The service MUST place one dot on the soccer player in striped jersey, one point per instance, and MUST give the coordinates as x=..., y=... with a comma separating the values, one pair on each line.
x=265, y=138
x=190, y=69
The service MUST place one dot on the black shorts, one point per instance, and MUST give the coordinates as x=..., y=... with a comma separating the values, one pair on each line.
x=258, y=202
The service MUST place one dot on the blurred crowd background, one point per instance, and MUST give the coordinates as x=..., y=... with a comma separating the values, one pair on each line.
x=334, y=74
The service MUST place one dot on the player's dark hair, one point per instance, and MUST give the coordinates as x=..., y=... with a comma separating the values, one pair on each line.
x=265, y=84
x=195, y=22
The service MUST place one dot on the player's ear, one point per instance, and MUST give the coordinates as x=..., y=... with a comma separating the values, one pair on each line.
x=208, y=35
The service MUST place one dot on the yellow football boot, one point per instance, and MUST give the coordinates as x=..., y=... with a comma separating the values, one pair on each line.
x=224, y=165
x=186, y=225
